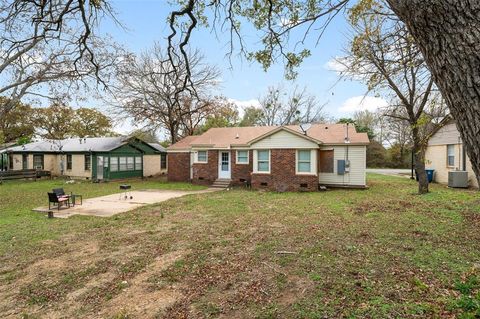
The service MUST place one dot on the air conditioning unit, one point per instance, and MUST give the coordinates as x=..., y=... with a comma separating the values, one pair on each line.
x=458, y=179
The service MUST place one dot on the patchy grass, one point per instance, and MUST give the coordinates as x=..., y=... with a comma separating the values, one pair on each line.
x=378, y=253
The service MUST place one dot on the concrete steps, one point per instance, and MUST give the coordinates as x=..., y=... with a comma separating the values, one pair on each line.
x=221, y=183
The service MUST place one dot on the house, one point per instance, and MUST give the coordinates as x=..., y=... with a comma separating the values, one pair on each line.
x=98, y=158
x=282, y=158
x=445, y=152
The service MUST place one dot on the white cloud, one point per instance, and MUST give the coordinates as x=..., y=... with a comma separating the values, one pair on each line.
x=335, y=65
x=245, y=103
x=361, y=103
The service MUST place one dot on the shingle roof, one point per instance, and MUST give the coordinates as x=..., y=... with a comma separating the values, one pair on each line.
x=89, y=144
x=157, y=146
x=231, y=136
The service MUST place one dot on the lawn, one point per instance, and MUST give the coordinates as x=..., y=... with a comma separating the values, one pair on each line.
x=378, y=253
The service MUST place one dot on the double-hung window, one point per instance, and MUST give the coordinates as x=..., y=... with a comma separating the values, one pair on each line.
x=88, y=162
x=163, y=161
x=113, y=164
x=451, y=155
x=138, y=163
x=242, y=157
x=69, y=161
x=122, y=163
x=37, y=162
x=202, y=157
x=130, y=163
x=263, y=161
x=304, y=161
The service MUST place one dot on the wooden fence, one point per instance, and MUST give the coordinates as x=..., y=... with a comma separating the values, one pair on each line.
x=23, y=174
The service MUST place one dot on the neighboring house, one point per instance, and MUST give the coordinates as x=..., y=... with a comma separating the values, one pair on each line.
x=445, y=152
x=273, y=157
x=98, y=158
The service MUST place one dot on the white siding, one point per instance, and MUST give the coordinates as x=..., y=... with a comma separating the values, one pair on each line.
x=283, y=140
x=356, y=176
x=446, y=135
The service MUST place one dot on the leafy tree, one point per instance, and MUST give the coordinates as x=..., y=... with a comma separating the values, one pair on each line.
x=358, y=127
x=60, y=121
x=225, y=114
x=16, y=122
x=376, y=155
x=88, y=122
x=251, y=117
x=148, y=136
x=54, y=122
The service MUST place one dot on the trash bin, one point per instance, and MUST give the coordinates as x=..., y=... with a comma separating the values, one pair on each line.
x=429, y=175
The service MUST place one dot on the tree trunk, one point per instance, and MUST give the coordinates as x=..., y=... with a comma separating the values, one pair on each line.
x=419, y=156
x=448, y=33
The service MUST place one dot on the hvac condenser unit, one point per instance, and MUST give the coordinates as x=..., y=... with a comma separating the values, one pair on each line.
x=458, y=179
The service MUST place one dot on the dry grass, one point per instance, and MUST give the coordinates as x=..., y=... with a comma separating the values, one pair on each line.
x=379, y=253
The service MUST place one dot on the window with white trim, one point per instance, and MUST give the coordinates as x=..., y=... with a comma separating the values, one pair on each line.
x=263, y=161
x=242, y=157
x=451, y=155
x=304, y=161
x=202, y=157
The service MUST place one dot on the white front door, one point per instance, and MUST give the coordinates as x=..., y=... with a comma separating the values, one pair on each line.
x=224, y=170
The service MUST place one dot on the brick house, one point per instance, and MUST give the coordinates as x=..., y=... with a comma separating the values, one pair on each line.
x=281, y=158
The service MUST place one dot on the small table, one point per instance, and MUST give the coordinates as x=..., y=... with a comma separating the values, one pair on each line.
x=74, y=199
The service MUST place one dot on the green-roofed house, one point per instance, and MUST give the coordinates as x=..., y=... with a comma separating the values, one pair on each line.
x=97, y=158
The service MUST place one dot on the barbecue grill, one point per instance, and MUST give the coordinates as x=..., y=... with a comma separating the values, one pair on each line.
x=125, y=194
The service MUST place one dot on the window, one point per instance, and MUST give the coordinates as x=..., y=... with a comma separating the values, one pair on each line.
x=263, y=161
x=138, y=163
x=130, y=164
x=242, y=157
x=326, y=161
x=10, y=161
x=88, y=162
x=122, y=163
x=24, y=161
x=202, y=156
x=451, y=155
x=113, y=164
x=69, y=161
x=38, y=161
x=163, y=161
x=304, y=161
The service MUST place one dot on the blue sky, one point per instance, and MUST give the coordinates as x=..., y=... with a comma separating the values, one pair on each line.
x=245, y=81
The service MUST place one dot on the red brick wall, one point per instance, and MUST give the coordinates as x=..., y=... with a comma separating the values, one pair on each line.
x=282, y=175
x=241, y=171
x=178, y=167
x=206, y=173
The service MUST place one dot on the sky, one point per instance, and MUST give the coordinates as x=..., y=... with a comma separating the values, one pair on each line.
x=243, y=81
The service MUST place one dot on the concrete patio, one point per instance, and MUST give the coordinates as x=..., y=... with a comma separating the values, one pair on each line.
x=109, y=205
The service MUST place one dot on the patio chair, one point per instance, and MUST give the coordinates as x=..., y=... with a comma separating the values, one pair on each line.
x=59, y=201
x=61, y=193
